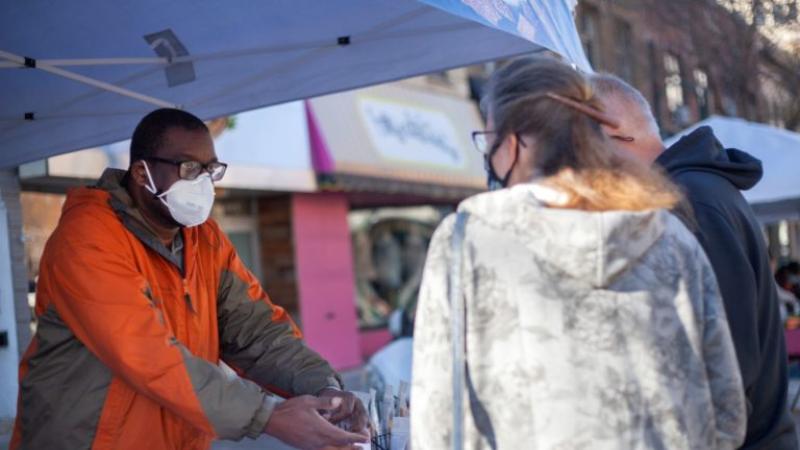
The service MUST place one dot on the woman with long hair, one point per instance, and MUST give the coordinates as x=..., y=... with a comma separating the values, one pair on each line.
x=567, y=306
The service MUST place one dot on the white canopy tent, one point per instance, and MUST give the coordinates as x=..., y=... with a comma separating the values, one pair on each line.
x=777, y=196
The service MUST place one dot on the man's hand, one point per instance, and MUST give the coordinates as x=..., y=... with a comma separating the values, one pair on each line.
x=351, y=408
x=298, y=422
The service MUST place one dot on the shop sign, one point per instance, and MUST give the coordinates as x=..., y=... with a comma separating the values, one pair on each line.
x=404, y=132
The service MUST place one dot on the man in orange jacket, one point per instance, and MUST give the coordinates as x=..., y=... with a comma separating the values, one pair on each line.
x=141, y=296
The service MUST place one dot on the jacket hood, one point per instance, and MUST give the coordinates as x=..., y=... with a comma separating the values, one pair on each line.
x=109, y=191
x=593, y=246
x=701, y=151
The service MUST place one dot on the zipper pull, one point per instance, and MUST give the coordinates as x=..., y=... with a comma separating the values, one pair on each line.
x=188, y=296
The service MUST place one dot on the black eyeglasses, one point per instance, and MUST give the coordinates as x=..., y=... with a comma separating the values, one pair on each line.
x=190, y=170
x=481, y=141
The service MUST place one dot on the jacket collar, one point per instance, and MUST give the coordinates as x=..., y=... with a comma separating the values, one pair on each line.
x=113, y=182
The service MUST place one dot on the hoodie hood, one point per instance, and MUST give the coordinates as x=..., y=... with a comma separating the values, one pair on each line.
x=701, y=151
x=112, y=181
x=110, y=192
x=596, y=247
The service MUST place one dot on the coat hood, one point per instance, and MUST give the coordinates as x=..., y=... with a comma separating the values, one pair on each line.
x=109, y=190
x=593, y=246
x=111, y=196
x=701, y=151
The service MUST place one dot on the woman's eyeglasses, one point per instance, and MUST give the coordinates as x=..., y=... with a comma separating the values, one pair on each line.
x=481, y=140
x=485, y=145
x=190, y=170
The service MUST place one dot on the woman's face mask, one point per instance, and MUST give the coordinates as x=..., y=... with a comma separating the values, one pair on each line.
x=493, y=180
x=189, y=201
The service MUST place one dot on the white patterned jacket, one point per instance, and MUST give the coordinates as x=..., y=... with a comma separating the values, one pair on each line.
x=584, y=330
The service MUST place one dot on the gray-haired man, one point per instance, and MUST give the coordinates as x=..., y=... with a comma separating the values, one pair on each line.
x=712, y=177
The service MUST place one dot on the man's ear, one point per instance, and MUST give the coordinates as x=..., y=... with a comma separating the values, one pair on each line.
x=138, y=173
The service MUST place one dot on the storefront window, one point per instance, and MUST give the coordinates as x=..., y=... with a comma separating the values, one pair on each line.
x=244, y=242
x=389, y=247
x=238, y=219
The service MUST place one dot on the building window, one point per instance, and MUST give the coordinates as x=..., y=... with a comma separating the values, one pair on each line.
x=774, y=98
x=702, y=92
x=590, y=35
x=673, y=85
x=239, y=219
x=624, y=53
x=655, y=89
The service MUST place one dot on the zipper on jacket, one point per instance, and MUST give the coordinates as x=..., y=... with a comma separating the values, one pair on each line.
x=187, y=296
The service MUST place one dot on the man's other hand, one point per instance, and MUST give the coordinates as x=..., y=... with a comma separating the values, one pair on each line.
x=350, y=408
x=298, y=422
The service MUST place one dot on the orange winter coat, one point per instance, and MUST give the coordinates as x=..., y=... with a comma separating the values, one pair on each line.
x=130, y=336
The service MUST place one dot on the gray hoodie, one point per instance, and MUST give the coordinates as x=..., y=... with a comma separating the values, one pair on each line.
x=584, y=331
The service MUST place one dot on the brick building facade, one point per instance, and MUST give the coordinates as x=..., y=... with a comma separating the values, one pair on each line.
x=691, y=59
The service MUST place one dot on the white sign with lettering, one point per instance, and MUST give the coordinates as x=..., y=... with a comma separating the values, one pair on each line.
x=408, y=133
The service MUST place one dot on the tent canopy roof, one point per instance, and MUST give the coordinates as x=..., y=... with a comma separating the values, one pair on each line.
x=100, y=66
x=778, y=150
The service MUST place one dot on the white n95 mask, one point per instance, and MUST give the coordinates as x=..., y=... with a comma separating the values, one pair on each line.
x=188, y=201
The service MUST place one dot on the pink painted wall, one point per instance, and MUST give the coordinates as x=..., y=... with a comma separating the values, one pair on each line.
x=325, y=278
x=374, y=340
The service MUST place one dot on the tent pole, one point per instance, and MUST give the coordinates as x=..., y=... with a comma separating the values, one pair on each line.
x=19, y=62
x=91, y=62
x=15, y=315
x=85, y=80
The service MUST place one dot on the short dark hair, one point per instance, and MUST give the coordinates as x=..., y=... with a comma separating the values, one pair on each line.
x=148, y=136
